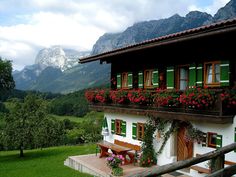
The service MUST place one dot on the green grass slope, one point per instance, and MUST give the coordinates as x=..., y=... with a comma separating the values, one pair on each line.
x=48, y=162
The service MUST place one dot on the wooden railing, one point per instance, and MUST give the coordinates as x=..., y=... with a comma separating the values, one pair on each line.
x=217, y=169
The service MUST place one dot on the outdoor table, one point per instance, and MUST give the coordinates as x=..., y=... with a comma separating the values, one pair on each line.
x=116, y=149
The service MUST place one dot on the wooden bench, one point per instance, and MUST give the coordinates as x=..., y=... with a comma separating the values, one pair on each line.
x=207, y=170
x=135, y=149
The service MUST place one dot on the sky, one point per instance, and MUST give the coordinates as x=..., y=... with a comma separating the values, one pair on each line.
x=26, y=26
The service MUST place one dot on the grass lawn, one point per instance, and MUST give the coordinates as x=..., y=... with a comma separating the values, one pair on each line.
x=48, y=162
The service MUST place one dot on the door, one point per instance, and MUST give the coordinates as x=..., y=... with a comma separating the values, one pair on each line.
x=184, y=148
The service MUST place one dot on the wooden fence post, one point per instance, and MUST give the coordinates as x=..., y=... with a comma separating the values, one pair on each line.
x=217, y=163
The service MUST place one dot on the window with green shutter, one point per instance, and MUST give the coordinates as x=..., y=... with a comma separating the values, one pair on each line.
x=192, y=76
x=118, y=81
x=155, y=78
x=219, y=141
x=224, y=73
x=140, y=79
x=112, y=126
x=130, y=80
x=170, y=77
x=199, y=75
x=134, y=130
x=123, y=128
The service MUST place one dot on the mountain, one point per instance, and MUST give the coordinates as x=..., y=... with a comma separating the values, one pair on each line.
x=155, y=28
x=56, y=69
x=58, y=57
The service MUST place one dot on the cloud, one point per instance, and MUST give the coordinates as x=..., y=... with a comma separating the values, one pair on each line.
x=28, y=25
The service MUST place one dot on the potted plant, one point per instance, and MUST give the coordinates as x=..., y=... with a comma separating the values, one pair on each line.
x=228, y=98
x=198, y=98
x=168, y=98
x=140, y=97
x=114, y=162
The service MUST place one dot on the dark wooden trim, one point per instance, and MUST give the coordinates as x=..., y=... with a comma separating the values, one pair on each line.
x=165, y=114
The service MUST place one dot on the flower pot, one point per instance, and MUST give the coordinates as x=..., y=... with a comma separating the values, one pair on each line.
x=118, y=171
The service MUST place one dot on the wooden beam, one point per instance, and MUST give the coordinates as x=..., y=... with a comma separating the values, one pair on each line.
x=170, y=115
x=225, y=172
x=186, y=163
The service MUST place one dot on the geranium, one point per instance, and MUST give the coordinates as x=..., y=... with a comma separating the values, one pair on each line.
x=119, y=96
x=102, y=96
x=90, y=96
x=228, y=98
x=168, y=98
x=198, y=98
x=142, y=97
x=114, y=160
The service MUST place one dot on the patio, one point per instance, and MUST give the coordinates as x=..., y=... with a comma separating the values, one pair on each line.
x=96, y=166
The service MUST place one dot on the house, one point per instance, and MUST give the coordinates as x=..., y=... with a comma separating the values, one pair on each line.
x=197, y=61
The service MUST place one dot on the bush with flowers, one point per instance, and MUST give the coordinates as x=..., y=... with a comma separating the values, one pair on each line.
x=198, y=98
x=98, y=96
x=114, y=162
x=228, y=98
x=119, y=96
x=168, y=98
x=140, y=97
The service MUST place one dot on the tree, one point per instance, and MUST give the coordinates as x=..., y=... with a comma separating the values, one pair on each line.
x=25, y=122
x=6, y=79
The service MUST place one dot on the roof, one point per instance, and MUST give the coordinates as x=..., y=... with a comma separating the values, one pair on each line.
x=222, y=26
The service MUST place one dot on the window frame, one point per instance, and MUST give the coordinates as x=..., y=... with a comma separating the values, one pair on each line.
x=142, y=131
x=118, y=123
x=145, y=78
x=178, y=76
x=124, y=82
x=209, y=139
x=213, y=83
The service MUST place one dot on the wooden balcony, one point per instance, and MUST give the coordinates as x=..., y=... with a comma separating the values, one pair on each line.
x=206, y=116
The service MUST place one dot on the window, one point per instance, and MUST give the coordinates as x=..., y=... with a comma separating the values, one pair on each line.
x=140, y=131
x=212, y=73
x=212, y=139
x=118, y=127
x=124, y=80
x=183, y=78
x=148, y=78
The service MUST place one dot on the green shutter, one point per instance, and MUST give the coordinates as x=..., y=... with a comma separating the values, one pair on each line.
x=112, y=126
x=118, y=79
x=192, y=76
x=130, y=80
x=155, y=78
x=170, y=77
x=199, y=75
x=204, y=141
x=134, y=130
x=140, y=79
x=123, y=128
x=235, y=137
x=218, y=141
x=224, y=73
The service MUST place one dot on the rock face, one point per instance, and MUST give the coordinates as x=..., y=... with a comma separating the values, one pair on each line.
x=148, y=30
x=226, y=12
x=58, y=57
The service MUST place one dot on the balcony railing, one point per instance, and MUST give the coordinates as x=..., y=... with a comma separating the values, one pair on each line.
x=191, y=104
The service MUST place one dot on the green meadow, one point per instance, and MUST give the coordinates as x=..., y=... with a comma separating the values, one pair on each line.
x=48, y=162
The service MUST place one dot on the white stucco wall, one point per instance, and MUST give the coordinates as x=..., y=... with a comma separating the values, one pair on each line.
x=169, y=153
